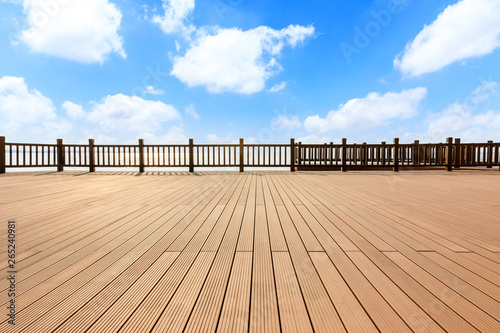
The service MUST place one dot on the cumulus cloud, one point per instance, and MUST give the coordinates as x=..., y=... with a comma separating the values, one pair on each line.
x=51, y=129
x=190, y=111
x=369, y=112
x=465, y=120
x=469, y=28
x=28, y=115
x=284, y=122
x=457, y=120
x=132, y=113
x=20, y=105
x=232, y=60
x=82, y=30
x=277, y=87
x=175, y=16
x=25, y=112
x=74, y=111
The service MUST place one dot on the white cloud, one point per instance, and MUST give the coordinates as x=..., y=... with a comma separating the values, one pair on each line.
x=19, y=105
x=52, y=129
x=190, y=110
x=369, y=112
x=313, y=139
x=153, y=91
x=174, y=134
x=458, y=121
x=469, y=28
x=82, y=30
x=232, y=60
x=132, y=113
x=277, y=87
x=25, y=113
x=74, y=111
x=214, y=138
x=286, y=123
x=175, y=16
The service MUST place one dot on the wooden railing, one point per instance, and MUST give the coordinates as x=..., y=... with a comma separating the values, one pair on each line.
x=296, y=156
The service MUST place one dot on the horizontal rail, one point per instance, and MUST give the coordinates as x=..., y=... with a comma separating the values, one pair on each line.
x=296, y=156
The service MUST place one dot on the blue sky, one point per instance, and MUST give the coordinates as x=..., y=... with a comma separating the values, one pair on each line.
x=266, y=71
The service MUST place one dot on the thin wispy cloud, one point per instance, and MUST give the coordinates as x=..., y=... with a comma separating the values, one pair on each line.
x=191, y=111
x=277, y=87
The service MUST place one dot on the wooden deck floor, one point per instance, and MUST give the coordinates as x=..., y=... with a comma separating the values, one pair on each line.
x=254, y=251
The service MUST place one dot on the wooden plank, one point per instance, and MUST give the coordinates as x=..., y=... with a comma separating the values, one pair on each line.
x=58, y=260
x=99, y=303
x=447, y=318
x=377, y=308
x=350, y=310
x=324, y=317
x=176, y=314
x=276, y=237
x=42, y=304
x=235, y=315
x=131, y=287
x=149, y=306
x=449, y=295
x=293, y=312
x=306, y=235
x=246, y=239
x=487, y=287
x=264, y=307
x=207, y=309
x=411, y=313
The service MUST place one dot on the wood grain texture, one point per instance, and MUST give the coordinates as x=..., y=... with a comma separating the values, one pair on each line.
x=271, y=251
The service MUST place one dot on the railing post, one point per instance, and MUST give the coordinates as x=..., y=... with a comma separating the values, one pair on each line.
x=299, y=152
x=191, y=155
x=141, y=155
x=91, y=156
x=323, y=154
x=383, y=153
x=458, y=153
x=242, y=155
x=354, y=154
x=490, y=154
x=449, y=154
x=2, y=154
x=60, y=155
x=344, y=154
x=395, y=155
x=497, y=151
x=364, y=160
x=332, y=158
x=292, y=155
x=415, y=152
